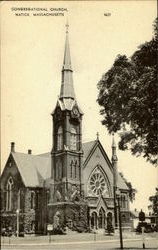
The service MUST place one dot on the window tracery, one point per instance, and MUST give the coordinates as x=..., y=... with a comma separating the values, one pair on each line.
x=97, y=184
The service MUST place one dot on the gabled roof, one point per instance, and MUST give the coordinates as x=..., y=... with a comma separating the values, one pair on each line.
x=33, y=169
x=121, y=183
x=87, y=147
x=90, y=148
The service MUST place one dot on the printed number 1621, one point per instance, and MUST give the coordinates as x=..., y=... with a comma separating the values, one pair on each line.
x=107, y=14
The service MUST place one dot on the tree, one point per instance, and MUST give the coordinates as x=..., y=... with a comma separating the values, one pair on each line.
x=154, y=200
x=154, y=209
x=129, y=101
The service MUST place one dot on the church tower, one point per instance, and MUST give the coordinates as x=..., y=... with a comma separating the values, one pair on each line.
x=67, y=136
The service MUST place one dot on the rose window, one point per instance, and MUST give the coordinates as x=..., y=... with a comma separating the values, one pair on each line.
x=97, y=184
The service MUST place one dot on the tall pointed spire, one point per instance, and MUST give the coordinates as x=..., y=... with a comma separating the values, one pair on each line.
x=67, y=57
x=67, y=89
x=114, y=160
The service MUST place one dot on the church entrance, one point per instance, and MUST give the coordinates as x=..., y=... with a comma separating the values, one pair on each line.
x=94, y=220
x=98, y=220
x=109, y=219
x=101, y=219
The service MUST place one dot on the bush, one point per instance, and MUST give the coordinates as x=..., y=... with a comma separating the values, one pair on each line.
x=58, y=230
x=147, y=227
x=110, y=228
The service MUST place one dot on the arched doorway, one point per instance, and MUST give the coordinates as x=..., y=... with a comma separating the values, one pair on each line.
x=94, y=220
x=109, y=219
x=101, y=219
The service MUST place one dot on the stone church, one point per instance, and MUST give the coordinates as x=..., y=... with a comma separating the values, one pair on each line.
x=74, y=185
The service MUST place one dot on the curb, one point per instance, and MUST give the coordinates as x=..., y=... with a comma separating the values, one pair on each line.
x=74, y=242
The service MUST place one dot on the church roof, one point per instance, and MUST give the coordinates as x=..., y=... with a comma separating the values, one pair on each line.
x=87, y=147
x=121, y=183
x=34, y=169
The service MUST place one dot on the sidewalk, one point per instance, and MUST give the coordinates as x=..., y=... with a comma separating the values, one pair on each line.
x=82, y=238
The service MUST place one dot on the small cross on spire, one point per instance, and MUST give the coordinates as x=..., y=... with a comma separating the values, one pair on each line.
x=97, y=135
x=67, y=26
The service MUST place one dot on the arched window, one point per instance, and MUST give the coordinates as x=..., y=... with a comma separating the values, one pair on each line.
x=75, y=166
x=58, y=170
x=123, y=201
x=71, y=169
x=9, y=194
x=32, y=199
x=73, y=139
x=60, y=138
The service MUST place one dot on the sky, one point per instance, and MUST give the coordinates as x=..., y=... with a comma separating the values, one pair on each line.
x=32, y=50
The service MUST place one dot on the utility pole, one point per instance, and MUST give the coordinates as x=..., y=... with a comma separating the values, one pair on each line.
x=120, y=221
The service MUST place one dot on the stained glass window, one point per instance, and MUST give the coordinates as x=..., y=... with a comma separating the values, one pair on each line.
x=97, y=184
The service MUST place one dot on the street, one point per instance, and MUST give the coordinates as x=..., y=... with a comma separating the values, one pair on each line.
x=151, y=243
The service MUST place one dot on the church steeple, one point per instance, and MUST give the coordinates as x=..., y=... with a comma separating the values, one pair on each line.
x=114, y=155
x=67, y=132
x=67, y=89
x=114, y=160
x=67, y=57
